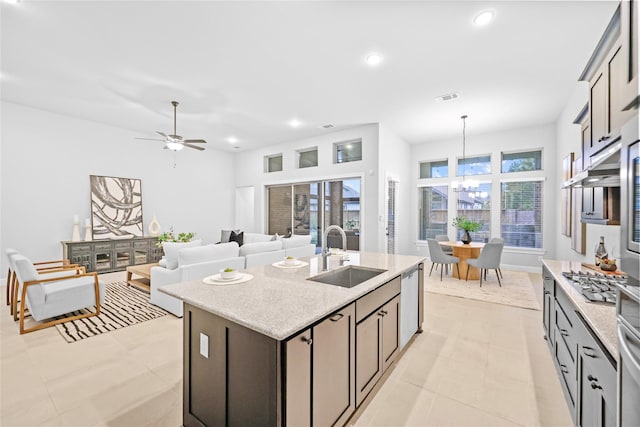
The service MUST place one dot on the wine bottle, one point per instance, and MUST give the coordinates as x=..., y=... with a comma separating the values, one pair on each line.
x=601, y=251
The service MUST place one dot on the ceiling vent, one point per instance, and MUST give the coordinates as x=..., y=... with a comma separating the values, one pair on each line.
x=327, y=126
x=447, y=97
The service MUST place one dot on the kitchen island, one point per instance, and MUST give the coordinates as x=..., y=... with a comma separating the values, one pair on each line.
x=284, y=350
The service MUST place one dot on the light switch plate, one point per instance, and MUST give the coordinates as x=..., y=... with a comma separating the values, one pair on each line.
x=204, y=345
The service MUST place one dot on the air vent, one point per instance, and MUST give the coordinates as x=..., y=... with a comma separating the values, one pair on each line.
x=447, y=97
x=327, y=126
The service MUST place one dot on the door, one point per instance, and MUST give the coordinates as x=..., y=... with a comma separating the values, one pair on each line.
x=298, y=380
x=392, y=194
x=333, y=393
x=390, y=332
x=368, y=362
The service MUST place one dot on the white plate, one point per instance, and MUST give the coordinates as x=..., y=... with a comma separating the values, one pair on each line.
x=298, y=264
x=217, y=280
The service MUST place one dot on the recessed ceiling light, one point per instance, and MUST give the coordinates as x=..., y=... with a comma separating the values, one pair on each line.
x=232, y=140
x=484, y=17
x=374, y=59
x=294, y=123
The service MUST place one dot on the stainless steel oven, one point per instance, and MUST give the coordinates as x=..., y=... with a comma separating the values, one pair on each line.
x=628, y=309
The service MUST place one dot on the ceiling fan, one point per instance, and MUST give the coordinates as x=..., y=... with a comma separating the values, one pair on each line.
x=175, y=142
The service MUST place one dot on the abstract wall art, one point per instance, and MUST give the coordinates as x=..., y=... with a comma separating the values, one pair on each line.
x=116, y=207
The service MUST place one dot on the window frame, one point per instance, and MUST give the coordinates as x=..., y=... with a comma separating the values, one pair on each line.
x=342, y=143
x=542, y=208
x=530, y=150
x=299, y=155
x=267, y=159
x=420, y=195
x=420, y=163
x=466, y=158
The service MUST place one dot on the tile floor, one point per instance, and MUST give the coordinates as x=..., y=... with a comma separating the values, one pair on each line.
x=476, y=364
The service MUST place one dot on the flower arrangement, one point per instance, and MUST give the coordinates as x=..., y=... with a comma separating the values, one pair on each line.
x=466, y=224
x=169, y=236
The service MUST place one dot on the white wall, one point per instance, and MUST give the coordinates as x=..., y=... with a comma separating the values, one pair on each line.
x=535, y=137
x=570, y=140
x=394, y=161
x=250, y=172
x=46, y=162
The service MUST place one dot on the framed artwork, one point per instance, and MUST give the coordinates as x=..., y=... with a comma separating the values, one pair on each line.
x=116, y=207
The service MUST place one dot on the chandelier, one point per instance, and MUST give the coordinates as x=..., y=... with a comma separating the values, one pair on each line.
x=467, y=185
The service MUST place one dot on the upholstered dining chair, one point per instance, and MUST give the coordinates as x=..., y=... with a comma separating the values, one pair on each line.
x=498, y=240
x=55, y=268
x=46, y=298
x=439, y=257
x=448, y=250
x=489, y=258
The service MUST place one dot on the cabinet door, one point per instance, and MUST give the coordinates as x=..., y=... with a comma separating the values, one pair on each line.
x=598, y=109
x=368, y=361
x=547, y=310
x=333, y=393
x=298, y=380
x=618, y=93
x=587, y=203
x=390, y=332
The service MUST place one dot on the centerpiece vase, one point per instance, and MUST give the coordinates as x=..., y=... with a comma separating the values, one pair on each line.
x=466, y=237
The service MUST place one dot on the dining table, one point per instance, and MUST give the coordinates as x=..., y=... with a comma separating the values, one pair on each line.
x=464, y=252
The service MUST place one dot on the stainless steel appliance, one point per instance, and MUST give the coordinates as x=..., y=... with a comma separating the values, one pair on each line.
x=628, y=310
x=596, y=287
x=630, y=200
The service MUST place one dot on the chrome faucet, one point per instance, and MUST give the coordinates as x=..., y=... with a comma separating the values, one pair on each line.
x=325, y=247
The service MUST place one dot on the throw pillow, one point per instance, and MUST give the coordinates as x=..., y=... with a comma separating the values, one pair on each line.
x=237, y=237
x=226, y=234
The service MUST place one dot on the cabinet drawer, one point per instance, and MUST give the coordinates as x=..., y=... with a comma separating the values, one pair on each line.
x=102, y=246
x=376, y=298
x=79, y=248
x=602, y=363
x=141, y=245
x=123, y=245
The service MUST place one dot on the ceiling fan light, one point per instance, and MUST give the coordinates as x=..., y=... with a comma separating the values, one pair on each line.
x=175, y=146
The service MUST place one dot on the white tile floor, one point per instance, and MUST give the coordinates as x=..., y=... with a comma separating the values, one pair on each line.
x=476, y=364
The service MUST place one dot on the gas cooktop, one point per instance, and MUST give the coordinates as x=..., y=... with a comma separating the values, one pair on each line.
x=596, y=287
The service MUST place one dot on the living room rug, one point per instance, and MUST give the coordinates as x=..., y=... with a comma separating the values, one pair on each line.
x=123, y=306
x=517, y=289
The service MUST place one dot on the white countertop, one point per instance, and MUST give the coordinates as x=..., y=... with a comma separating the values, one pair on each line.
x=279, y=302
x=600, y=317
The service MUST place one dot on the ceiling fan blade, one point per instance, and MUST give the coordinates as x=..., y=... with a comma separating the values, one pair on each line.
x=161, y=133
x=151, y=139
x=195, y=141
x=194, y=146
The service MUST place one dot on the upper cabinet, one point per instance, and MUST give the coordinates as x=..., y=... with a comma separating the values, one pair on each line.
x=612, y=76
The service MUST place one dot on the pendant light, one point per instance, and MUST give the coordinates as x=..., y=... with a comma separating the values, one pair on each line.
x=467, y=185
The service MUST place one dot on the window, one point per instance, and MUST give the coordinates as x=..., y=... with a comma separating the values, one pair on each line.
x=439, y=169
x=476, y=206
x=433, y=205
x=308, y=158
x=521, y=214
x=347, y=151
x=522, y=161
x=273, y=163
x=479, y=165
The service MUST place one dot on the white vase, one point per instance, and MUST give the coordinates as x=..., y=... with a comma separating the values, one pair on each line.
x=87, y=233
x=75, y=236
x=154, y=227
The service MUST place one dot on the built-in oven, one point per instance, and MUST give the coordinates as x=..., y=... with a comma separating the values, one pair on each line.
x=628, y=309
x=630, y=200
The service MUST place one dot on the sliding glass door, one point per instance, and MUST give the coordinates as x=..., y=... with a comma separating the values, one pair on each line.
x=296, y=208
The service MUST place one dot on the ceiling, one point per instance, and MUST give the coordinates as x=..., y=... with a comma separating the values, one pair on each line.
x=245, y=69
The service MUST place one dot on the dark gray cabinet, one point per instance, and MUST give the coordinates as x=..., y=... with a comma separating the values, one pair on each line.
x=112, y=255
x=320, y=372
x=377, y=335
x=601, y=205
x=596, y=382
x=586, y=370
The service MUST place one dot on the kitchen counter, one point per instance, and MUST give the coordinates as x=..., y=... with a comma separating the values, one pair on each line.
x=600, y=317
x=279, y=302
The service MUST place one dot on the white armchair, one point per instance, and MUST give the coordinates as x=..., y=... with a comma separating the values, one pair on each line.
x=46, y=298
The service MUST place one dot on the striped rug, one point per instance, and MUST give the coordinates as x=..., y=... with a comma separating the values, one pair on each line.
x=123, y=306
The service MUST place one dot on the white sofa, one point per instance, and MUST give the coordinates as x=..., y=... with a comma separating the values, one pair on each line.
x=192, y=261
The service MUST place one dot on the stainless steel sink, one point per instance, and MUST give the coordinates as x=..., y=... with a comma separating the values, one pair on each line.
x=347, y=277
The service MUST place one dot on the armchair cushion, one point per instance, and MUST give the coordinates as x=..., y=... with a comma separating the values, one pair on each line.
x=171, y=251
x=195, y=255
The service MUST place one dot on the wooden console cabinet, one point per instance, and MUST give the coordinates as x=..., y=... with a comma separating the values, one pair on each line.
x=105, y=256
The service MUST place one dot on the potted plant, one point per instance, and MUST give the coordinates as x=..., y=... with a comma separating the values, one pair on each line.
x=169, y=236
x=468, y=226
